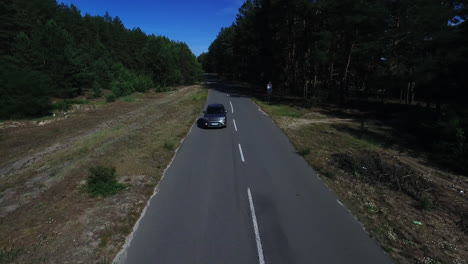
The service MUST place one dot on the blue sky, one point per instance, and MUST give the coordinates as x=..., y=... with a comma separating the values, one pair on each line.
x=196, y=23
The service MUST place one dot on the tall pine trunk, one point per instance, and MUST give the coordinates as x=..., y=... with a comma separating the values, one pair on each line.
x=344, y=85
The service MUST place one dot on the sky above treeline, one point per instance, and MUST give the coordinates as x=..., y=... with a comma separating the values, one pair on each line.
x=196, y=23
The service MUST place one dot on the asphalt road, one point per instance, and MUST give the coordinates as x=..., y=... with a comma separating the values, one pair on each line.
x=243, y=195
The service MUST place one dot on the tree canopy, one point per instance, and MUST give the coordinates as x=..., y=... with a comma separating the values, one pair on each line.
x=333, y=50
x=51, y=50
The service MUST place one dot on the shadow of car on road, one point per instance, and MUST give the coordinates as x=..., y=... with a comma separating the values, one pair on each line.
x=201, y=123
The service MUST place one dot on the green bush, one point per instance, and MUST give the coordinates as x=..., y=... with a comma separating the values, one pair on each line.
x=142, y=83
x=66, y=105
x=129, y=98
x=304, y=152
x=127, y=82
x=9, y=255
x=111, y=98
x=103, y=181
x=122, y=88
x=61, y=106
x=174, y=77
x=169, y=145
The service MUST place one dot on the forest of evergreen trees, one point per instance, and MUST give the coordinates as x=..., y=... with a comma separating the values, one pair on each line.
x=408, y=50
x=50, y=50
x=403, y=62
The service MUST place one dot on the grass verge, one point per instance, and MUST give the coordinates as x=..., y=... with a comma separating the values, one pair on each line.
x=48, y=214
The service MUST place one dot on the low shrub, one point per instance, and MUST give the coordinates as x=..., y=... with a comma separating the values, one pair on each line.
x=111, y=98
x=66, y=104
x=61, y=106
x=304, y=152
x=122, y=88
x=169, y=145
x=103, y=181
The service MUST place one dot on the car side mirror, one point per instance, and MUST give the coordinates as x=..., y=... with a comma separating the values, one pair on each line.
x=225, y=111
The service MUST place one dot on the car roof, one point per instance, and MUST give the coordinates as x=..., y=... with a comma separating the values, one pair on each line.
x=216, y=105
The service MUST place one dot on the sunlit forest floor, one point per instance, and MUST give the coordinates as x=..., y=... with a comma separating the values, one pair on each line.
x=414, y=206
x=46, y=215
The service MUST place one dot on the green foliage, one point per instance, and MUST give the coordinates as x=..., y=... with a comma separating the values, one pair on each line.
x=130, y=98
x=74, y=52
x=165, y=88
x=354, y=53
x=142, y=83
x=281, y=110
x=61, y=106
x=23, y=93
x=303, y=151
x=101, y=72
x=9, y=255
x=103, y=181
x=169, y=145
x=66, y=104
x=97, y=89
x=121, y=88
x=127, y=82
x=199, y=96
x=169, y=63
x=337, y=50
x=111, y=98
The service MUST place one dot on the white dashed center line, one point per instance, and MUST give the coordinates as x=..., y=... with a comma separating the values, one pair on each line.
x=235, y=126
x=261, y=259
x=241, y=154
x=232, y=108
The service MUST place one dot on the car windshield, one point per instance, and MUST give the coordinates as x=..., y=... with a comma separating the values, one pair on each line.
x=214, y=110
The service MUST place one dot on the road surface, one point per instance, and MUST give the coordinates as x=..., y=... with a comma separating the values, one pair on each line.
x=243, y=195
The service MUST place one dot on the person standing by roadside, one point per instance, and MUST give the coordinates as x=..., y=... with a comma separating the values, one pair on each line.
x=269, y=90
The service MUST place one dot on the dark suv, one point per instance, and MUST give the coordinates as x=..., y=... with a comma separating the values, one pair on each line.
x=215, y=116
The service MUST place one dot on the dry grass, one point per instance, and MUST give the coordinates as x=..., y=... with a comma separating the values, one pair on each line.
x=417, y=212
x=47, y=216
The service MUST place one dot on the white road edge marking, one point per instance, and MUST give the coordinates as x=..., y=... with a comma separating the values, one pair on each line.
x=242, y=154
x=261, y=259
x=340, y=203
x=235, y=126
x=232, y=108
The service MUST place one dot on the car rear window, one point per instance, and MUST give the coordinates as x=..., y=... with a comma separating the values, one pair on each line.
x=214, y=110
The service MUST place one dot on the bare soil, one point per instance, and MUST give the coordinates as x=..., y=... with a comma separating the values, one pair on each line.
x=46, y=216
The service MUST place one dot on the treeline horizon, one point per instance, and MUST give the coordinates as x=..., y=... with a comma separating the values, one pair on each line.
x=51, y=50
x=409, y=50
x=400, y=62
